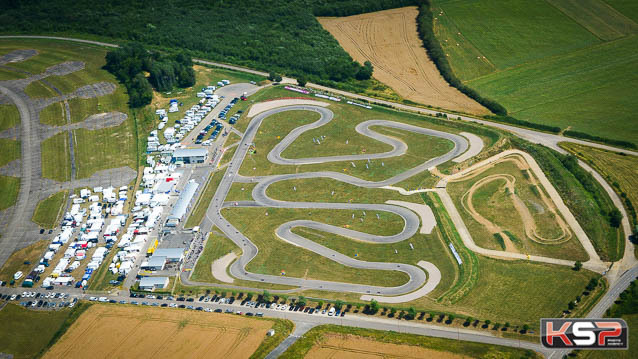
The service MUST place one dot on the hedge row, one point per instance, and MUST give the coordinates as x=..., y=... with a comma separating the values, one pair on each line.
x=425, y=26
x=517, y=122
x=609, y=141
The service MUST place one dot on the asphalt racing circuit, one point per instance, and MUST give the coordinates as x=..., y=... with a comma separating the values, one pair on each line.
x=411, y=221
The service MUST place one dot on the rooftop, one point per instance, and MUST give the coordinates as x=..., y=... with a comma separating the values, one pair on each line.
x=190, y=152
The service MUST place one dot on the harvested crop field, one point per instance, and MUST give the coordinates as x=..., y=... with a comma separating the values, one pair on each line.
x=389, y=40
x=138, y=332
x=350, y=346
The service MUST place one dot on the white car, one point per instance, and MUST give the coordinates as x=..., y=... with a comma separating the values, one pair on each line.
x=150, y=297
x=92, y=299
x=13, y=297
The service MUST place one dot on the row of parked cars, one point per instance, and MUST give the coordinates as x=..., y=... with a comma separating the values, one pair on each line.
x=217, y=128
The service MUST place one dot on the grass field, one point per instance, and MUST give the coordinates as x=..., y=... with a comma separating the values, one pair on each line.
x=94, y=150
x=628, y=8
x=261, y=230
x=522, y=291
x=620, y=170
x=16, y=261
x=49, y=210
x=487, y=224
x=25, y=333
x=216, y=247
x=9, y=188
x=337, y=132
x=228, y=155
x=56, y=157
x=332, y=341
x=389, y=40
x=137, y=331
x=53, y=115
x=10, y=150
x=198, y=213
x=37, y=89
x=564, y=63
x=9, y=116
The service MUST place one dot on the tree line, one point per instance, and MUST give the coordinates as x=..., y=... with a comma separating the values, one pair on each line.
x=129, y=62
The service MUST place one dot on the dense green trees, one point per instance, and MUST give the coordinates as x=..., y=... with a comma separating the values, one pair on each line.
x=166, y=72
x=272, y=35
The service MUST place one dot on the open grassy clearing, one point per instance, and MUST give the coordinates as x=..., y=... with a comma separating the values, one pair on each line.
x=199, y=211
x=53, y=115
x=620, y=170
x=320, y=190
x=228, y=155
x=521, y=291
x=338, y=341
x=37, y=89
x=276, y=127
x=632, y=352
x=390, y=41
x=260, y=228
x=628, y=8
x=9, y=116
x=585, y=89
x=548, y=62
x=597, y=17
x=240, y=192
x=56, y=157
x=232, y=139
x=216, y=247
x=10, y=150
x=539, y=28
x=9, y=188
x=16, y=261
x=10, y=75
x=428, y=247
x=49, y=210
x=134, y=331
x=94, y=150
x=492, y=199
x=26, y=333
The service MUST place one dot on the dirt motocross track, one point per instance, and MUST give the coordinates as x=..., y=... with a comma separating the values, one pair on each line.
x=389, y=40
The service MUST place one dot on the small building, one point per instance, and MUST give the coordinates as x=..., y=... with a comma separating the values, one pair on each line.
x=181, y=206
x=172, y=255
x=190, y=155
x=155, y=263
x=152, y=283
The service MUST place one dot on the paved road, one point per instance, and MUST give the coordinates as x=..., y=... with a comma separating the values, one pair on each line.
x=250, y=250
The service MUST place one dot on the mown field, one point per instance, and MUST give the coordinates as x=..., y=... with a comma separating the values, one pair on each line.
x=558, y=62
x=9, y=116
x=346, y=342
x=9, y=188
x=49, y=210
x=27, y=333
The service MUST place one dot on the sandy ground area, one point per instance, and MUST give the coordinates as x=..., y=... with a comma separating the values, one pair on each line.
x=109, y=331
x=350, y=346
x=219, y=268
x=269, y=105
x=476, y=146
x=428, y=221
x=389, y=40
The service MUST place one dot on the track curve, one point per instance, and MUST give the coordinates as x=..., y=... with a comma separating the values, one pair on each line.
x=417, y=277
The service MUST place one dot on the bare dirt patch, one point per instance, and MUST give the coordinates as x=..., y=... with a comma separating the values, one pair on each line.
x=142, y=332
x=389, y=40
x=350, y=346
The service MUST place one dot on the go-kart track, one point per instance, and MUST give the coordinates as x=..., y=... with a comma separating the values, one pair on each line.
x=411, y=220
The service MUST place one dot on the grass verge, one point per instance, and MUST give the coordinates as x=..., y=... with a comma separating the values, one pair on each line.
x=49, y=210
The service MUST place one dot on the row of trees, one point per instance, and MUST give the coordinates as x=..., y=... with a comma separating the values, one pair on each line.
x=129, y=62
x=425, y=26
x=273, y=35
